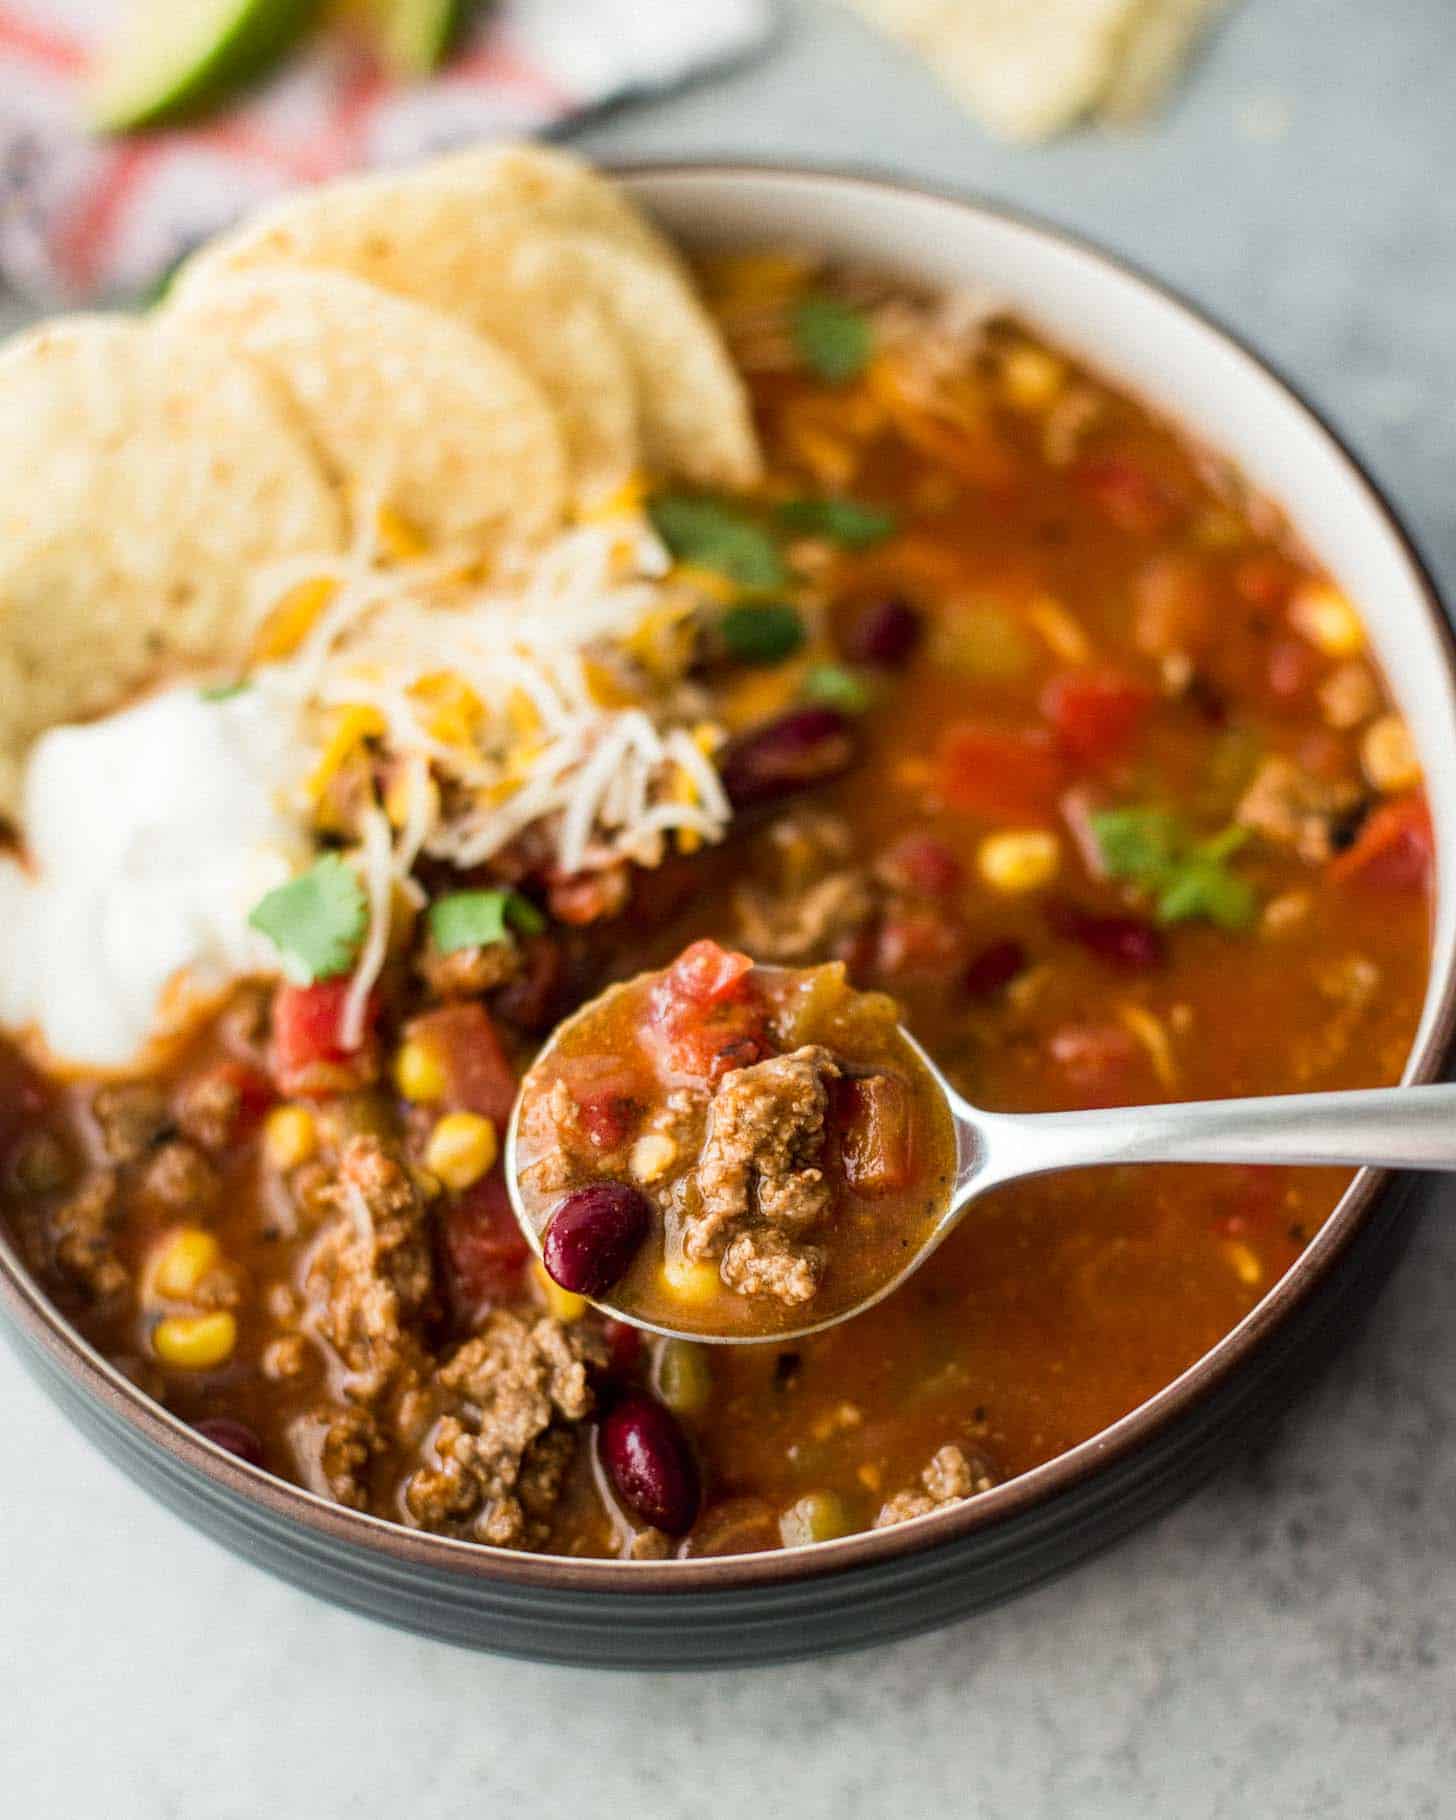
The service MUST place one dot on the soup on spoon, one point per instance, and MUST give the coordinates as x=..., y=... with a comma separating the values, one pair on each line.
x=735, y=1150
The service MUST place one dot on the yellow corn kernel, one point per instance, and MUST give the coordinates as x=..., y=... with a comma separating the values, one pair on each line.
x=1032, y=378
x=1061, y=634
x=869, y=1476
x=1023, y=860
x=461, y=1149
x=697, y=1284
x=290, y=1137
x=181, y=1261
x=293, y=619
x=1388, y=754
x=418, y=1073
x=1244, y=1262
x=196, y=1342
x=652, y=1156
x=398, y=538
x=560, y=1302
x=1324, y=616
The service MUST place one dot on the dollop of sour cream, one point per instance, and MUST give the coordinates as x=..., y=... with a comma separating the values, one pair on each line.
x=149, y=836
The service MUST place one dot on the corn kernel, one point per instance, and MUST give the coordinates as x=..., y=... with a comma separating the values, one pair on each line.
x=1032, y=378
x=694, y=1283
x=560, y=1302
x=652, y=1156
x=196, y=1342
x=1388, y=754
x=1062, y=635
x=1244, y=1262
x=290, y=1137
x=181, y=1261
x=1021, y=861
x=1325, y=617
x=461, y=1149
x=419, y=1074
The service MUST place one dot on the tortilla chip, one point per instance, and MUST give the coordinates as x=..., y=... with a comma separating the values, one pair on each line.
x=438, y=243
x=696, y=422
x=406, y=407
x=144, y=479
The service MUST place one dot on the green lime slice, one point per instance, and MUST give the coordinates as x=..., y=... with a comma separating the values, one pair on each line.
x=169, y=59
x=415, y=34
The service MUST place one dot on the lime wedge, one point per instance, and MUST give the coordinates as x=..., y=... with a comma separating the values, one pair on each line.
x=414, y=35
x=169, y=59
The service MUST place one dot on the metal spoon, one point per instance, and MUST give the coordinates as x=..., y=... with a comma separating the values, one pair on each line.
x=1385, y=1127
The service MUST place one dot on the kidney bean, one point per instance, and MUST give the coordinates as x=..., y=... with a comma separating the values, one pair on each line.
x=650, y=1463
x=1130, y=943
x=885, y=633
x=920, y=862
x=993, y=968
x=803, y=747
x=236, y=1437
x=594, y=1234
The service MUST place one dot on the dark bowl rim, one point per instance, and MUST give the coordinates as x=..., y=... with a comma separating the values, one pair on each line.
x=24, y=1302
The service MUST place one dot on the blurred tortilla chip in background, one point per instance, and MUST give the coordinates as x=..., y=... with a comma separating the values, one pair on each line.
x=1032, y=68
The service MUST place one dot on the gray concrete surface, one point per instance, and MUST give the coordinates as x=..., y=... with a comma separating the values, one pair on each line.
x=1284, y=1646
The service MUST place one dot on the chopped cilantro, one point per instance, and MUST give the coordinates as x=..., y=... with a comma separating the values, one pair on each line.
x=224, y=691
x=476, y=919
x=1186, y=878
x=316, y=921
x=761, y=632
x=837, y=687
x=834, y=339
x=716, y=535
x=845, y=521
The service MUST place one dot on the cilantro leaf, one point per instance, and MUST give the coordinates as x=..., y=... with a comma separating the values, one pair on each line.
x=716, y=535
x=837, y=687
x=224, y=691
x=316, y=921
x=834, y=339
x=762, y=633
x=1186, y=879
x=845, y=521
x=476, y=919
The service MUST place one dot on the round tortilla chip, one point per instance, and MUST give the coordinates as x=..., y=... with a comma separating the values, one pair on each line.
x=438, y=242
x=144, y=478
x=694, y=409
x=404, y=405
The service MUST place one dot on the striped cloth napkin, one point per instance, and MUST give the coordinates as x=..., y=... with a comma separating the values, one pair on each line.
x=82, y=218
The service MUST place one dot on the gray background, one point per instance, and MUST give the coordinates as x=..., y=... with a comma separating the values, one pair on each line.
x=1283, y=1646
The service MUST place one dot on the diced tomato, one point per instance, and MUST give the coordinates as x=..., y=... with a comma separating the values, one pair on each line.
x=1100, y=1062
x=1394, y=850
x=478, y=1074
x=706, y=1015
x=1265, y=581
x=872, y=1122
x=610, y=1100
x=485, y=1250
x=921, y=863
x=1095, y=714
x=1004, y=774
x=1290, y=671
x=309, y=1055
x=255, y=1092
x=704, y=974
x=1127, y=493
x=1255, y=1200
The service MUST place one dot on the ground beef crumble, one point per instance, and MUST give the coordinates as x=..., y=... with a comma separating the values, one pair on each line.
x=759, y=1187
x=503, y=1444
x=948, y=1478
x=83, y=1232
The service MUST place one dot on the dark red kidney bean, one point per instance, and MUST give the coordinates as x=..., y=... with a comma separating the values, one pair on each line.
x=993, y=968
x=624, y=1345
x=920, y=862
x=1130, y=943
x=803, y=747
x=594, y=1234
x=236, y=1437
x=650, y=1463
x=885, y=633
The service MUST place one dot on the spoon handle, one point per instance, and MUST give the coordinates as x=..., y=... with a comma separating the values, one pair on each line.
x=1389, y=1127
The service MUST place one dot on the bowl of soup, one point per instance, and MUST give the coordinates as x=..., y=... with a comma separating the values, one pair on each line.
x=976, y=624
